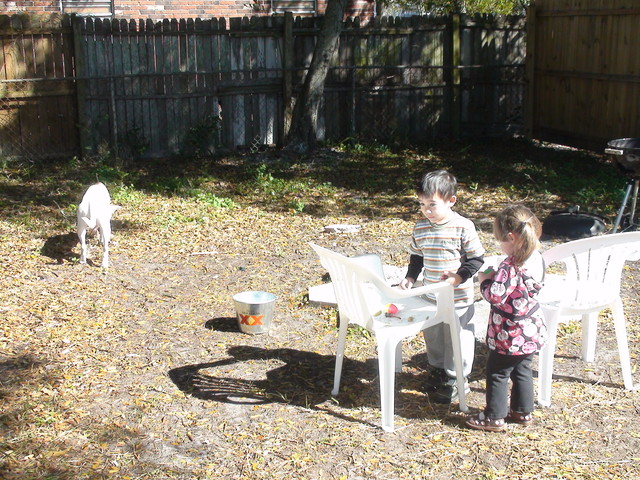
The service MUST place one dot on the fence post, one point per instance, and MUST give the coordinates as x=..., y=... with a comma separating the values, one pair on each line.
x=455, y=75
x=81, y=82
x=530, y=69
x=113, y=113
x=352, y=123
x=287, y=62
x=114, y=25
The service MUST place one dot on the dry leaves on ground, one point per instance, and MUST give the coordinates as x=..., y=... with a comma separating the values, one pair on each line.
x=141, y=372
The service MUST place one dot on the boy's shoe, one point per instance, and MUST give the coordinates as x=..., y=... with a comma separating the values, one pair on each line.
x=435, y=379
x=448, y=391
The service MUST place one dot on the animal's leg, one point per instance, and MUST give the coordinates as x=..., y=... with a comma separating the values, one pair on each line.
x=105, y=234
x=82, y=235
x=105, y=256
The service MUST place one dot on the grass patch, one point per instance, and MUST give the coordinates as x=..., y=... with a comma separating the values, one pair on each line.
x=346, y=178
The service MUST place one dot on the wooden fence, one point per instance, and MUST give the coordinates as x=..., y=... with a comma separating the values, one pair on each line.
x=38, y=111
x=83, y=85
x=584, y=66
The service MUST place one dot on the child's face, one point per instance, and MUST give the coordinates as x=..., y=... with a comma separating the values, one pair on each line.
x=507, y=245
x=436, y=209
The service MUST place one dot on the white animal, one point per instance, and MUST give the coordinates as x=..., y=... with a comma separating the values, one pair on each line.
x=94, y=214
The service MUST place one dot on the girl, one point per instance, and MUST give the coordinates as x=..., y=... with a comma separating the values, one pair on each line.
x=516, y=322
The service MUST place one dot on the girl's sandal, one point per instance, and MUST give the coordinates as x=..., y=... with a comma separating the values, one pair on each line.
x=481, y=422
x=519, y=417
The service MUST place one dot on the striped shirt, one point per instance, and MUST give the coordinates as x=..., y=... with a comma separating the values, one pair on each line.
x=445, y=248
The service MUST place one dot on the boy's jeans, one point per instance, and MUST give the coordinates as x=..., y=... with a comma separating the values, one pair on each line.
x=439, y=348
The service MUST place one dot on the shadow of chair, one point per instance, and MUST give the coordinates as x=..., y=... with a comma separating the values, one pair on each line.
x=258, y=376
x=362, y=296
x=591, y=284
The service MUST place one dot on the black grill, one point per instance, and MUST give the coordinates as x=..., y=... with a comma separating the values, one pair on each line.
x=626, y=152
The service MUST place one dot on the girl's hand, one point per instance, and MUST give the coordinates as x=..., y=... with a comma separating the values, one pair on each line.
x=487, y=274
x=406, y=283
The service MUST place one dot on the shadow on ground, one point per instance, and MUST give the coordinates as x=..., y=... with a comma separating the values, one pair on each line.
x=299, y=378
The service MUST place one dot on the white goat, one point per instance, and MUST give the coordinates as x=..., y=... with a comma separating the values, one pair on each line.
x=94, y=213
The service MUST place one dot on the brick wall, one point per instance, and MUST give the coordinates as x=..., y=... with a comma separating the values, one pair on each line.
x=365, y=9
x=30, y=6
x=161, y=9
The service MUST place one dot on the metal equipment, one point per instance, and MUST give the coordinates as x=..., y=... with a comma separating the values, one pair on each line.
x=626, y=151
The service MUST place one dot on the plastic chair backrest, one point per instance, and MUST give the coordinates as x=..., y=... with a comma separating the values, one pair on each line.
x=594, y=263
x=347, y=279
x=361, y=289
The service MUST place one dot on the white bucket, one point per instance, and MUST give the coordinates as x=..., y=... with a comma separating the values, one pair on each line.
x=254, y=311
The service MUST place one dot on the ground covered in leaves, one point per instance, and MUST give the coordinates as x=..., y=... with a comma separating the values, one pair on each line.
x=140, y=371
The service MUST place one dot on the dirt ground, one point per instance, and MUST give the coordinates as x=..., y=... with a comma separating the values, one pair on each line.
x=141, y=372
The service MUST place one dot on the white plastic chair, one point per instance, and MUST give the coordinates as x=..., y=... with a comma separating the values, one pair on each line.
x=362, y=295
x=591, y=284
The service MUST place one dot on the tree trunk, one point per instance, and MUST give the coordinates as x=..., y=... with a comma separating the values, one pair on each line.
x=302, y=135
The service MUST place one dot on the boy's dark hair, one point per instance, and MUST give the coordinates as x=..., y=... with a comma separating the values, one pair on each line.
x=438, y=182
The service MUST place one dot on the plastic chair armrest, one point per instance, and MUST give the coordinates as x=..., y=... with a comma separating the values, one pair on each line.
x=396, y=292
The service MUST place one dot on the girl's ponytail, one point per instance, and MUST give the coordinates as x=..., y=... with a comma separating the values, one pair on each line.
x=526, y=227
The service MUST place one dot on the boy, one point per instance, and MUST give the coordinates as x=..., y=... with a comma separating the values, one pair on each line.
x=445, y=247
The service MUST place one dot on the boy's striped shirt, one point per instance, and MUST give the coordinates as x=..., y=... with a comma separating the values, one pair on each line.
x=446, y=247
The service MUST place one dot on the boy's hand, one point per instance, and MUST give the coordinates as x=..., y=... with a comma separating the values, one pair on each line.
x=453, y=278
x=406, y=283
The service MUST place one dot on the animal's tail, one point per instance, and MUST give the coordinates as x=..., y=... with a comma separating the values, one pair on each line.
x=91, y=222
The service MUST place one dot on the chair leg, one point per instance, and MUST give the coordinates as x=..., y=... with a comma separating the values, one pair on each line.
x=342, y=338
x=623, y=345
x=398, y=357
x=387, y=348
x=589, y=334
x=545, y=360
x=454, y=328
